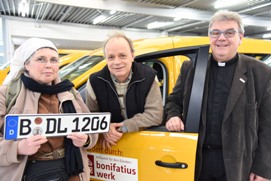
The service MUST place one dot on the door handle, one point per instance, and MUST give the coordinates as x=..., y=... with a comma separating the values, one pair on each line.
x=179, y=165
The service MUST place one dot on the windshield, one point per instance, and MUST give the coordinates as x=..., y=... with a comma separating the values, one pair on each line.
x=77, y=68
x=4, y=66
x=258, y=56
x=267, y=60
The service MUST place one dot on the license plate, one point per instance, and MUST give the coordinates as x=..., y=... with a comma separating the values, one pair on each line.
x=24, y=125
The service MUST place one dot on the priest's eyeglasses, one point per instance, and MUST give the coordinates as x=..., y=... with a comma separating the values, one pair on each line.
x=227, y=33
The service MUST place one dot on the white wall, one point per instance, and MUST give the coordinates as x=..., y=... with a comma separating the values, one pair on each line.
x=64, y=36
x=1, y=43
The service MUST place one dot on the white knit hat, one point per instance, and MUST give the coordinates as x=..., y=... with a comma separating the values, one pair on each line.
x=23, y=53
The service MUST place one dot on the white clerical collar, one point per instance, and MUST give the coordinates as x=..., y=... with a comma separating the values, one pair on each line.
x=221, y=64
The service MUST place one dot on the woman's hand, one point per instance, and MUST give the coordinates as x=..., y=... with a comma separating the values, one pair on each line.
x=31, y=145
x=78, y=139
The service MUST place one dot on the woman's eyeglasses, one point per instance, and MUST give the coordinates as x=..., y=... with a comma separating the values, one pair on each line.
x=44, y=60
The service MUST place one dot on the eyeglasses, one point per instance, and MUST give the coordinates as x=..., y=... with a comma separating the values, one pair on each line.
x=44, y=60
x=227, y=33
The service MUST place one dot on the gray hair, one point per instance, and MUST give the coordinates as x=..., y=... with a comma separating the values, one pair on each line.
x=222, y=15
x=118, y=34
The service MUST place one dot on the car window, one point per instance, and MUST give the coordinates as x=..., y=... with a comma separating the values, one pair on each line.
x=81, y=90
x=261, y=57
x=162, y=66
x=79, y=67
x=4, y=66
x=163, y=58
x=158, y=66
x=267, y=60
x=161, y=74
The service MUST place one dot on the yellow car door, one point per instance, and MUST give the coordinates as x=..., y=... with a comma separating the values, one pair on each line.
x=155, y=153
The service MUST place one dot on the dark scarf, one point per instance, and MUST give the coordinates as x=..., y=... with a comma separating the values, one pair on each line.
x=73, y=158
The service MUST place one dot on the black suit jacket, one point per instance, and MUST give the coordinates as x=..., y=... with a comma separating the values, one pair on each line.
x=246, y=126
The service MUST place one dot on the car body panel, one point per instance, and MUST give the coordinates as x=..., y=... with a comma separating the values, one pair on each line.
x=141, y=150
x=64, y=52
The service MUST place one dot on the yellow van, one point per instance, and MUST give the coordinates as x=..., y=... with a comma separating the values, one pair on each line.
x=4, y=70
x=156, y=154
x=141, y=47
x=259, y=49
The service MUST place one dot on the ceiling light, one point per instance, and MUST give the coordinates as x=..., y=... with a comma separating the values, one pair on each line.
x=99, y=19
x=226, y=3
x=177, y=19
x=158, y=24
x=23, y=7
x=112, y=12
x=268, y=35
x=268, y=28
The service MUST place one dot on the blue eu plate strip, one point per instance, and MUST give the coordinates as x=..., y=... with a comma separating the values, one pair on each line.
x=11, y=127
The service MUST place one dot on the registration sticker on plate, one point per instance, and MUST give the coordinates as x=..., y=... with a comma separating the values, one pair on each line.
x=24, y=125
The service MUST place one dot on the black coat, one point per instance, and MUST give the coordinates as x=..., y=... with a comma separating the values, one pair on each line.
x=246, y=126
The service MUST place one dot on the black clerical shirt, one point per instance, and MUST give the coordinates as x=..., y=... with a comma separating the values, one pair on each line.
x=221, y=75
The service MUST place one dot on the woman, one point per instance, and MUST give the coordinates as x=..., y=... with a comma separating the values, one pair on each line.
x=35, y=64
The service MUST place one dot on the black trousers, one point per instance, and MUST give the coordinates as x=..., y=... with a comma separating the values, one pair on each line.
x=213, y=168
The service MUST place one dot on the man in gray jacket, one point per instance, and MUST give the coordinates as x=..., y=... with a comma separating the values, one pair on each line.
x=235, y=130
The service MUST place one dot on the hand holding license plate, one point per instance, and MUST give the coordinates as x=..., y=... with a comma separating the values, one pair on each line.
x=24, y=125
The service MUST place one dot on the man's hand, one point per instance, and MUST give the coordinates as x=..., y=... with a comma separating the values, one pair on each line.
x=175, y=124
x=112, y=136
x=254, y=177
